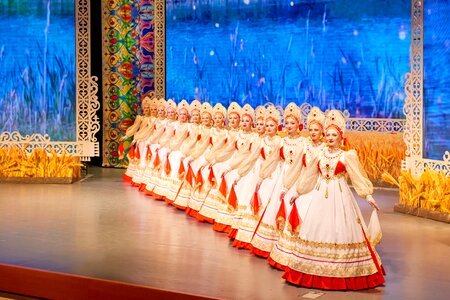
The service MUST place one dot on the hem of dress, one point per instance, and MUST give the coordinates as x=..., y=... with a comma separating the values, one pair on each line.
x=333, y=283
x=275, y=264
x=221, y=227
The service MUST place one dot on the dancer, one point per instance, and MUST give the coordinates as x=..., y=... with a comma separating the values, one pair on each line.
x=242, y=144
x=174, y=142
x=219, y=164
x=253, y=191
x=140, y=124
x=333, y=248
x=274, y=215
x=178, y=157
x=203, y=141
x=205, y=178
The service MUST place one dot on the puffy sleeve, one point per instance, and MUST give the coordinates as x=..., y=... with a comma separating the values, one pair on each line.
x=363, y=186
x=228, y=149
x=308, y=176
x=144, y=131
x=135, y=127
x=271, y=162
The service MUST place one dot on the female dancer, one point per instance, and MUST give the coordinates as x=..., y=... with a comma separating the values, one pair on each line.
x=218, y=165
x=205, y=177
x=203, y=141
x=242, y=144
x=169, y=170
x=281, y=249
x=140, y=124
x=273, y=215
x=333, y=249
x=177, y=157
x=254, y=190
x=159, y=147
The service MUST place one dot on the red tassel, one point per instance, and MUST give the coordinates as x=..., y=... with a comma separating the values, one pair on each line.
x=250, y=147
x=280, y=127
x=137, y=153
x=223, y=186
x=256, y=201
x=121, y=150
x=232, y=199
x=236, y=145
x=226, y=140
x=149, y=153
x=294, y=220
x=157, y=160
x=263, y=154
x=167, y=167
x=300, y=127
x=188, y=134
x=181, y=170
x=211, y=141
x=282, y=153
x=281, y=215
x=199, y=179
x=174, y=131
x=131, y=152
x=190, y=176
x=199, y=137
x=211, y=176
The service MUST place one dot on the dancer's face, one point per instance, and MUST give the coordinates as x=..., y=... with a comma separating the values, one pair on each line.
x=171, y=115
x=195, y=117
x=153, y=111
x=333, y=138
x=315, y=132
x=271, y=127
x=246, y=123
x=206, y=119
x=146, y=110
x=219, y=121
x=183, y=116
x=260, y=126
x=233, y=120
x=291, y=125
x=161, y=112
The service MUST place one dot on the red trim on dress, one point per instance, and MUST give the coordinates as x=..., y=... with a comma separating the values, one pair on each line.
x=275, y=264
x=333, y=283
x=221, y=227
x=260, y=253
x=127, y=178
x=242, y=245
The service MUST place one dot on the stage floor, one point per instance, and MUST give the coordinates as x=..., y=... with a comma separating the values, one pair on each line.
x=106, y=229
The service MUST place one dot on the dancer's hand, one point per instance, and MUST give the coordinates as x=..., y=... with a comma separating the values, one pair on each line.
x=291, y=202
x=283, y=193
x=372, y=202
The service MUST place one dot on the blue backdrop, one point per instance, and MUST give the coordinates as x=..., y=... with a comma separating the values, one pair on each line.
x=436, y=78
x=37, y=67
x=335, y=54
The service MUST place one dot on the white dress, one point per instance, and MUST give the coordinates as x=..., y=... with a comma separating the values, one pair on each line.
x=282, y=248
x=333, y=248
x=254, y=190
x=274, y=215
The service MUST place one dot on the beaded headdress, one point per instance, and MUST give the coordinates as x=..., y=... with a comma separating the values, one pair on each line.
x=195, y=105
x=183, y=105
x=234, y=108
x=292, y=110
x=273, y=113
x=336, y=119
x=219, y=108
x=247, y=110
x=315, y=116
x=260, y=112
x=206, y=108
x=161, y=102
x=170, y=104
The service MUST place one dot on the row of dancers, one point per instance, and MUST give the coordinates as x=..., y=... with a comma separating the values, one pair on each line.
x=283, y=198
